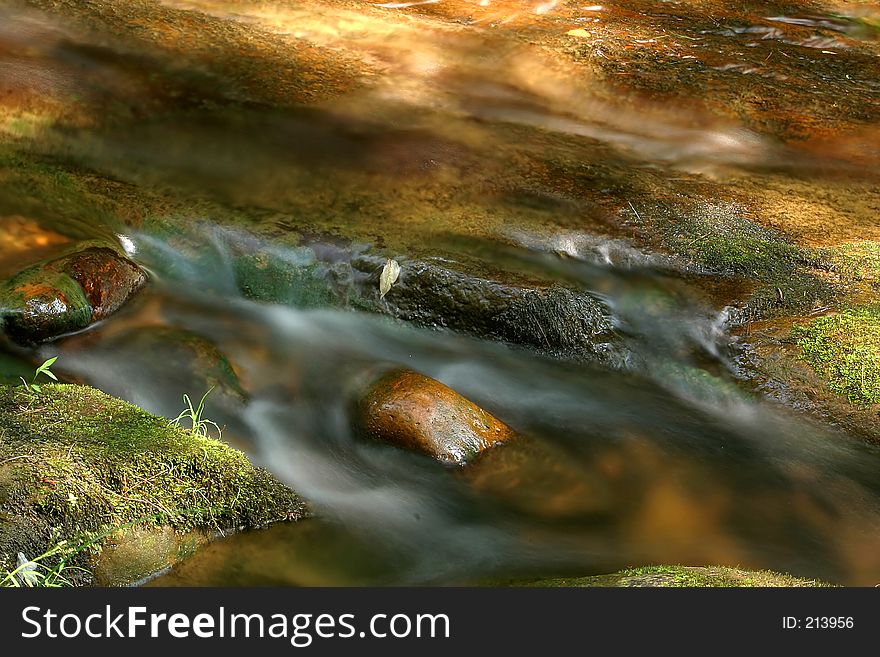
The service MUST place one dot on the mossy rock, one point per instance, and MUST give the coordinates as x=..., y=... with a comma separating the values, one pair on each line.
x=844, y=348
x=68, y=293
x=719, y=240
x=39, y=305
x=683, y=577
x=76, y=462
x=729, y=244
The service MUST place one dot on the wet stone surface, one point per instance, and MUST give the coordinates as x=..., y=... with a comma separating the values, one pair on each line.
x=552, y=319
x=68, y=294
x=415, y=412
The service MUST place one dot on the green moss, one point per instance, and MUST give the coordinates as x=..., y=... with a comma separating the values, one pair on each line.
x=721, y=240
x=854, y=262
x=845, y=349
x=74, y=460
x=724, y=242
x=683, y=577
x=303, y=283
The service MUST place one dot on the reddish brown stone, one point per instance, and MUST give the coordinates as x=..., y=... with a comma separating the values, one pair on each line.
x=416, y=412
x=107, y=279
x=67, y=294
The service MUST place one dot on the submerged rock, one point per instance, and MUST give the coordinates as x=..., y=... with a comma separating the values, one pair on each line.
x=67, y=294
x=89, y=467
x=176, y=360
x=134, y=554
x=415, y=412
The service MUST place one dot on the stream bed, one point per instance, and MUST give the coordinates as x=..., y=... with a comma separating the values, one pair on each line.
x=605, y=217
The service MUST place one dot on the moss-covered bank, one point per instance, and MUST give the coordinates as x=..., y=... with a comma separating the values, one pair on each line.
x=827, y=361
x=76, y=462
x=683, y=577
x=845, y=349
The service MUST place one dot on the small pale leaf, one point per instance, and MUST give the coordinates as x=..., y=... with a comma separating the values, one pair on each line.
x=389, y=276
x=45, y=366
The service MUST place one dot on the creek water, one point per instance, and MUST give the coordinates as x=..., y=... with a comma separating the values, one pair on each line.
x=657, y=455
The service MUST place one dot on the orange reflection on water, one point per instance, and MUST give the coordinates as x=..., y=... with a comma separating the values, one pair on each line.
x=23, y=241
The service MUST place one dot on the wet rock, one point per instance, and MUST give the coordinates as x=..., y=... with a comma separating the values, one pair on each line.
x=67, y=294
x=491, y=304
x=556, y=320
x=413, y=411
x=107, y=279
x=133, y=554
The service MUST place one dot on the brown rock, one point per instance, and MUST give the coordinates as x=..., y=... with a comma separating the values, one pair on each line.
x=416, y=412
x=106, y=278
x=66, y=294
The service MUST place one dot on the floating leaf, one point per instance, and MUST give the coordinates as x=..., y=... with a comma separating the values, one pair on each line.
x=389, y=276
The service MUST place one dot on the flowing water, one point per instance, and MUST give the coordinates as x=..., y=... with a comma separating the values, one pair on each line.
x=472, y=146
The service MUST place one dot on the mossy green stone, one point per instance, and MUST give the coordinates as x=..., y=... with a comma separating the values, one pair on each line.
x=271, y=279
x=75, y=461
x=38, y=304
